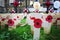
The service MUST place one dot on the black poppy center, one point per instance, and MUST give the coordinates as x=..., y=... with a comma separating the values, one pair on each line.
x=25, y=10
x=10, y=22
x=37, y=23
x=49, y=18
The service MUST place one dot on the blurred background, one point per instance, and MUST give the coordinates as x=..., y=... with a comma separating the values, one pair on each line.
x=7, y=5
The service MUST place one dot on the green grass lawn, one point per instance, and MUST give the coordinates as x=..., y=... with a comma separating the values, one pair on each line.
x=24, y=33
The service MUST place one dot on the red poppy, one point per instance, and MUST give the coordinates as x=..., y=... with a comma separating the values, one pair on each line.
x=15, y=19
x=25, y=10
x=17, y=16
x=12, y=11
x=49, y=18
x=32, y=18
x=58, y=18
x=3, y=19
x=16, y=3
x=37, y=23
x=48, y=3
x=10, y=22
x=36, y=11
x=51, y=11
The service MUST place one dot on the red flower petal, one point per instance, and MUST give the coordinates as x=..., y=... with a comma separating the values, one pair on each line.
x=36, y=11
x=15, y=19
x=16, y=3
x=32, y=18
x=3, y=19
x=10, y=22
x=17, y=16
x=37, y=23
x=49, y=18
x=58, y=18
x=13, y=11
x=51, y=11
x=25, y=10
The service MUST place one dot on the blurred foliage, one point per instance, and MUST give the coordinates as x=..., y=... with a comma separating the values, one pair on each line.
x=20, y=33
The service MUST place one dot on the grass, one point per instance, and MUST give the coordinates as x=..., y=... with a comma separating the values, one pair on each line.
x=24, y=33
x=54, y=34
